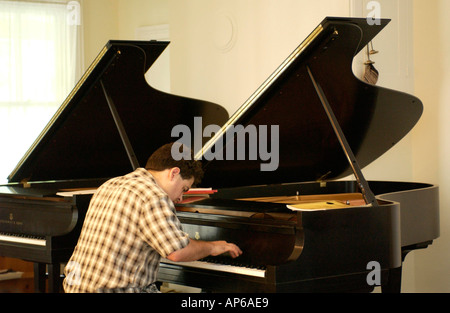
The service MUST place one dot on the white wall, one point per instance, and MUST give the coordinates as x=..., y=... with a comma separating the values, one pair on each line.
x=223, y=50
x=431, y=136
x=100, y=23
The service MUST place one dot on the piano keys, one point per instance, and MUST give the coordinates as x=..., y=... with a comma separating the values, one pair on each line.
x=26, y=240
x=222, y=267
x=331, y=125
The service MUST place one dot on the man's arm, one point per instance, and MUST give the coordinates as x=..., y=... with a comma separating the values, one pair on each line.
x=196, y=250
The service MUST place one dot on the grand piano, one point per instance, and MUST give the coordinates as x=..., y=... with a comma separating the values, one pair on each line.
x=301, y=227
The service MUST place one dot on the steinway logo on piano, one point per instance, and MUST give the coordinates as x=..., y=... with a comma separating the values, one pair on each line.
x=252, y=143
x=11, y=220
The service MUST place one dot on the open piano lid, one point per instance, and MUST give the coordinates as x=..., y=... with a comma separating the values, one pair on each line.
x=82, y=141
x=373, y=119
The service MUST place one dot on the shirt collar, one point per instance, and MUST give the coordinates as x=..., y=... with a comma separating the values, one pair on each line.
x=147, y=175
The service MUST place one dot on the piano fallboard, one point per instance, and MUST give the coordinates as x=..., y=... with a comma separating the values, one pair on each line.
x=41, y=228
x=47, y=216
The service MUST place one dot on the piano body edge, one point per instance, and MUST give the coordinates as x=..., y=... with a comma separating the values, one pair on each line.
x=414, y=199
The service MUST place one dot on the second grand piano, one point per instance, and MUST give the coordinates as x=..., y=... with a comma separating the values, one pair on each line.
x=331, y=125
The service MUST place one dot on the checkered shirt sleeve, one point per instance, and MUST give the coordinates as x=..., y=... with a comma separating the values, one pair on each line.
x=130, y=224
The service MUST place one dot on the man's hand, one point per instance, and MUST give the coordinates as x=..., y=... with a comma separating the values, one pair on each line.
x=221, y=247
x=197, y=250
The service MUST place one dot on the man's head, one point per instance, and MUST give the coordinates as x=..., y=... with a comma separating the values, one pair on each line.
x=174, y=177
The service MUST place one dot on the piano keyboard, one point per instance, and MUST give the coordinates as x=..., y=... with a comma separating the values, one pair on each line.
x=28, y=240
x=242, y=270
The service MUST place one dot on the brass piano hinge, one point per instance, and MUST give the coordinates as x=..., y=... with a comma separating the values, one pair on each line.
x=25, y=183
x=322, y=178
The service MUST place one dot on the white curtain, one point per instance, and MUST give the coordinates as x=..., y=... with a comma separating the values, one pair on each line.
x=40, y=63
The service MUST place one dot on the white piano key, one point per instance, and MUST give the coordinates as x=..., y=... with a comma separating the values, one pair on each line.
x=255, y=272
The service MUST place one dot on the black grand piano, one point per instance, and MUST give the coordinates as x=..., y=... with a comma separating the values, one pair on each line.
x=300, y=227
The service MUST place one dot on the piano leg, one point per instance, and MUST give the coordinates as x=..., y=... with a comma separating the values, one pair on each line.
x=54, y=279
x=39, y=277
x=394, y=283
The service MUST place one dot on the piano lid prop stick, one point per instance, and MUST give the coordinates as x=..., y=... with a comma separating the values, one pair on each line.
x=123, y=134
x=367, y=193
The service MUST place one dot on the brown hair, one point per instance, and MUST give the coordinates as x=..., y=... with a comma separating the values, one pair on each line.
x=163, y=159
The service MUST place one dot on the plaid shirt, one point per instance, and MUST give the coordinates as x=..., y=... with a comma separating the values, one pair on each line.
x=130, y=224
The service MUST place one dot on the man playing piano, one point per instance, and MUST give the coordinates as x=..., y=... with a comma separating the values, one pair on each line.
x=131, y=223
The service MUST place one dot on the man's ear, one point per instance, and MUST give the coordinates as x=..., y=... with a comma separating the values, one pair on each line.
x=174, y=172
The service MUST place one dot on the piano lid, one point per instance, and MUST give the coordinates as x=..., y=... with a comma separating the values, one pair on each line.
x=305, y=146
x=82, y=141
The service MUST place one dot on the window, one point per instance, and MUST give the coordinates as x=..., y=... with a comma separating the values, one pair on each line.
x=40, y=62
